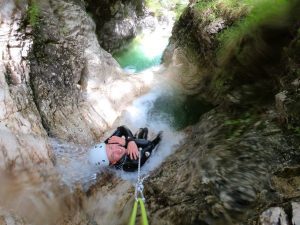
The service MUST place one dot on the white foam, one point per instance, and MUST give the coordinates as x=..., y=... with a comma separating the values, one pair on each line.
x=138, y=115
x=72, y=164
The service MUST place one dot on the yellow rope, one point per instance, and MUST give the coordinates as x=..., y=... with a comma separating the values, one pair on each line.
x=134, y=212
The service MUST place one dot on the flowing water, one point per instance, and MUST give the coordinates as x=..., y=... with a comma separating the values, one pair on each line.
x=146, y=50
x=43, y=196
x=72, y=162
x=152, y=110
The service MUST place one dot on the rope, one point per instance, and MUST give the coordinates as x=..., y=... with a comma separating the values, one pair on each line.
x=139, y=188
x=134, y=212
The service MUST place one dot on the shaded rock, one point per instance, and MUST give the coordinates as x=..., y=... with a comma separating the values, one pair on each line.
x=230, y=172
x=280, y=99
x=287, y=181
x=117, y=22
x=274, y=216
x=289, y=107
x=242, y=68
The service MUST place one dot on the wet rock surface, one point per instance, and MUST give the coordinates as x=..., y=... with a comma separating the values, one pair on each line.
x=220, y=179
x=230, y=168
x=238, y=165
x=74, y=80
x=273, y=216
x=56, y=80
x=22, y=136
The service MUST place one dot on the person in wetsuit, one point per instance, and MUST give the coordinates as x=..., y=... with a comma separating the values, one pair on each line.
x=121, y=149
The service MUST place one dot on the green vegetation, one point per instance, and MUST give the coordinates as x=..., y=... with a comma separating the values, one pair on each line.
x=227, y=8
x=179, y=8
x=261, y=12
x=154, y=5
x=254, y=35
x=157, y=6
x=294, y=129
x=236, y=127
x=33, y=14
x=250, y=15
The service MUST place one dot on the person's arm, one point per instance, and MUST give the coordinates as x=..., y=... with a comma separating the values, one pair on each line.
x=132, y=150
x=116, y=140
x=122, y=131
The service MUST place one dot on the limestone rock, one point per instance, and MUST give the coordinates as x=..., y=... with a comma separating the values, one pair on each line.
x=80, y=90
x=296, y=213
x=23, y=139
x=55, y=79
x=7, y=218
x=274, y=216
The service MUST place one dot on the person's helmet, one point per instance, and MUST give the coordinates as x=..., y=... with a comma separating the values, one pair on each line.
x=98, y=156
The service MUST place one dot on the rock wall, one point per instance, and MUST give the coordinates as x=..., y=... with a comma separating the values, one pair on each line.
x=22, y=136
x=241, y=157
x=78, y=87
x=226, y=172
x=56, y=80
x=219, y=61
x=119, y=21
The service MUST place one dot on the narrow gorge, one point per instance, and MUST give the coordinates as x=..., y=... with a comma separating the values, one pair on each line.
x=220, y=78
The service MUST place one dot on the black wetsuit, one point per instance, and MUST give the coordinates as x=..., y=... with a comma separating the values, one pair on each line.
x=142, y=143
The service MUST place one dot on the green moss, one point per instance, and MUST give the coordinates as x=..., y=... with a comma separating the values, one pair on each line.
x=179, y=8
x=223, y=7
x=33, y=14
x=294, y=129
x=262, y=12
x=254, y=37
x=237, y=126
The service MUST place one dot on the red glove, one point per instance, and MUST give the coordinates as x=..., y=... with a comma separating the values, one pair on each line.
x=132, y=150
x=116, y=140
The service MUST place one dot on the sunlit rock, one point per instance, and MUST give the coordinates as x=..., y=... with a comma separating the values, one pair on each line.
x=22, y=136
x=296, y=213
x=80, y=90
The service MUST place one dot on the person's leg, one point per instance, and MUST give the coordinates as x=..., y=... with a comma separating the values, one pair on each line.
x=157, y=139
x=145, y=134
x=142, y=133
x=142, y=143
x=146, y=147
x=137, y=133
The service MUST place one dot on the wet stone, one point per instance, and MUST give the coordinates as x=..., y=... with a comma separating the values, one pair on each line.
x=296, y=213
x=273, y=216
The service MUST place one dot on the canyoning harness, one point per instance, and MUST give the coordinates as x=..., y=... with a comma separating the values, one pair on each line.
x=139, y=197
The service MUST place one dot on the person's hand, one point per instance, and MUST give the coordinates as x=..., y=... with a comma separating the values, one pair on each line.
x=116, y=140
x=133, y=151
